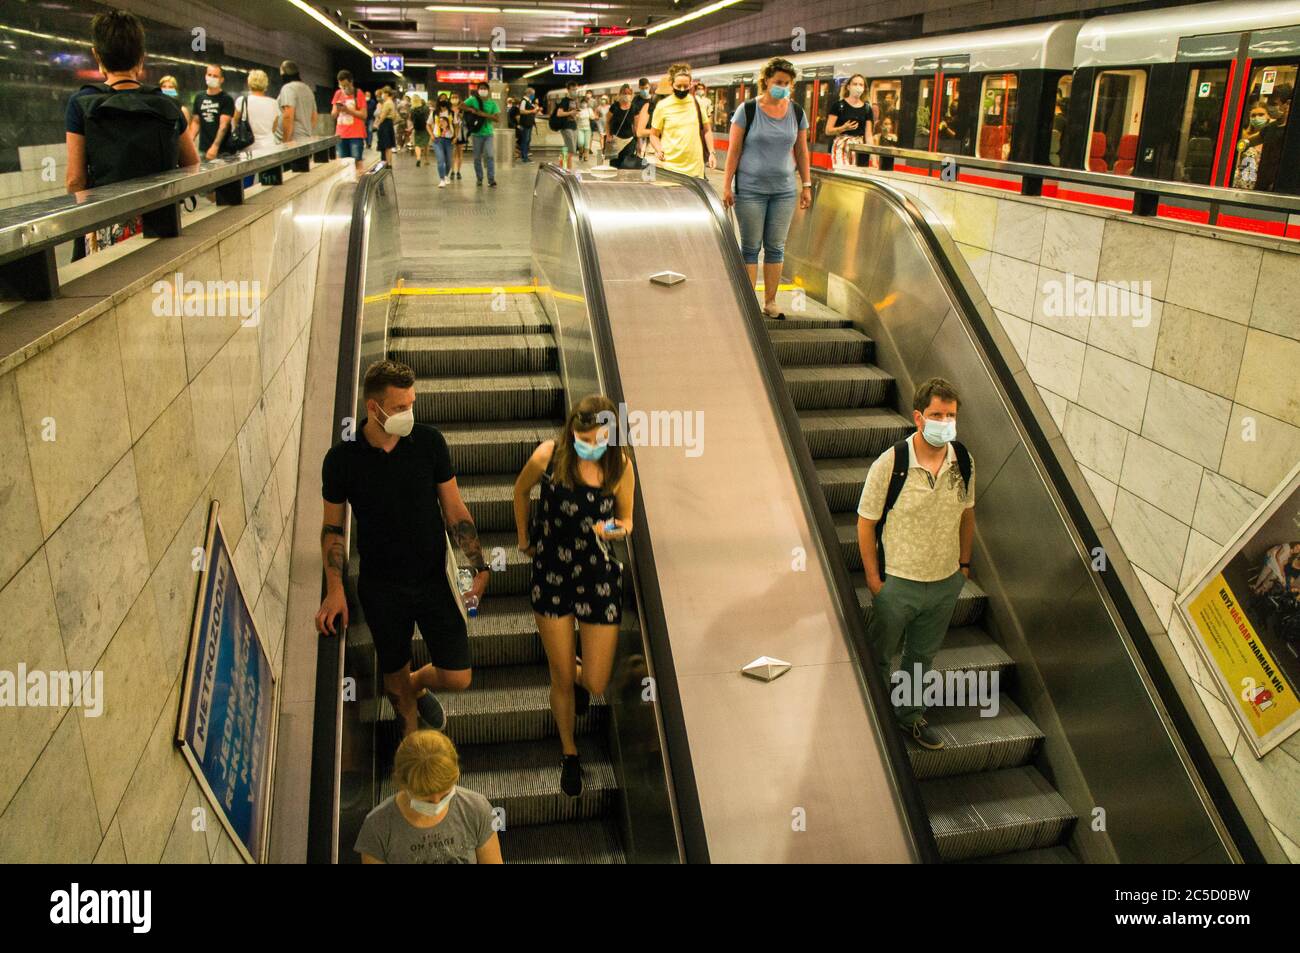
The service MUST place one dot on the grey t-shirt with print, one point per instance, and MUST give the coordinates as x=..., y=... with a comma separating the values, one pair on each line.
x=387, y=835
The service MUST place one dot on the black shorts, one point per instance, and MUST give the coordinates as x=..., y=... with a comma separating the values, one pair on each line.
x=393, y=610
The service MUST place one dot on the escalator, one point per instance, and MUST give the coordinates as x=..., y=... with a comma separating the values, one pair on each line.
x=749, y=550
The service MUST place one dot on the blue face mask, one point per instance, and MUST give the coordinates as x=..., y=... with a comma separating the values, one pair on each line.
x=589, y=451
x=939, y=432
x=169, y=92
x=779, y=92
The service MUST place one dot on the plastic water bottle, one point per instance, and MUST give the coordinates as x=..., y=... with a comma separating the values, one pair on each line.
x=465, y=578
x=611, y=526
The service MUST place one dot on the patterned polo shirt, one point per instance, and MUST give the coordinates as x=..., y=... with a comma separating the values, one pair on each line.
x=921, y=535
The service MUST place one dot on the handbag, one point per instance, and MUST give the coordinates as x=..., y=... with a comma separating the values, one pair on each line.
x=241, y=134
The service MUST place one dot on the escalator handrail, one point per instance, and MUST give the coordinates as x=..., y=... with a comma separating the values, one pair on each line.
x=902, y=780
x=1241, y=841
x=327, y=722
x=688, y=816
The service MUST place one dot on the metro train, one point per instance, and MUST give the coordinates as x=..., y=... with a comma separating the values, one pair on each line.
x=1168, y=94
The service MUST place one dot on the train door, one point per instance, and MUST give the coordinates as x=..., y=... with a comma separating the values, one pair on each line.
x=957, y=106
x=885, y=96
x=924, y=127
x=1201, y=123
x=1261, y=125
x=997, y=116
x=1117, y=103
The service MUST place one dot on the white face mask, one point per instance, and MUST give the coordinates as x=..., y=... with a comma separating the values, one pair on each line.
x=213, y=82
x=432, y=808
x=399, y=425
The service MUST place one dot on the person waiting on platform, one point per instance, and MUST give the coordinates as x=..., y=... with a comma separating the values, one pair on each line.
x=678, y=137
x=768, y=143
x=922, y=490
x=386, y=120
x=431, y=819
x=586, y=502
x=849, y=121
x=348, y=107
x=398, y=478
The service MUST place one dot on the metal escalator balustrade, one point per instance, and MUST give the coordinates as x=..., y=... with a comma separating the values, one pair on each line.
x=1088, y=718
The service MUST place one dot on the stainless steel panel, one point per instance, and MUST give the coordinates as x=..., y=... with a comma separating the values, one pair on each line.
x=558, y=276
x=729, y=531
x=1077, y=671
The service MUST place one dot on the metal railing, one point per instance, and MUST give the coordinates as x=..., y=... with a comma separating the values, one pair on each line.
x=30, y=232
x=1146, y=193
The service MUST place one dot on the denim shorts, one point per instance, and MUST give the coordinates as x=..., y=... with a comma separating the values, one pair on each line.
x=764, y=222
x=351, y=148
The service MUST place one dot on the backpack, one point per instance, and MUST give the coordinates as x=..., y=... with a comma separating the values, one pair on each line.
x=241, y=134
x=129, y=132
x=897, y=477
x=556, y=121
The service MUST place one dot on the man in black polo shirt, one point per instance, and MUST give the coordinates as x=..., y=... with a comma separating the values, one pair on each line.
x=398, y=478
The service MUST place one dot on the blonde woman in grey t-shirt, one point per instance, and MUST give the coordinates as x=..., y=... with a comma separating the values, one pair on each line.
x=431, y=819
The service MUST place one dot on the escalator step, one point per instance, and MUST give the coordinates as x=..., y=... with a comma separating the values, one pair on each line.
x=410, y=322
x=807, y=323
x=516, y=577
x=481, y=354
x=995, y=812
x=492, y=397
x=511, y=703
x=969, y=648
x=491, y=500
x=485, y=303
x=503, y=633
x=524, y=779
x=974, y=743
x=841, y=480
x=795, y=348
x=852, y=432
x=970, y=603
x=816, y=387
x=574, y=842
x=495, y=446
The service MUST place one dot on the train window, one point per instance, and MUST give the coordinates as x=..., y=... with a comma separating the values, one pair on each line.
x=924, y=102
x=997, y=116
x=1116, y=119
x=956, y=115
x=1060, y=117
x=1263, y=127
x=885, y=95
x=724, y=104
x=1207, y=88
x=828, y=91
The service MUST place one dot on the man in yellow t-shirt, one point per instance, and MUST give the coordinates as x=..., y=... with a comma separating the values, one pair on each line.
x=675, y=135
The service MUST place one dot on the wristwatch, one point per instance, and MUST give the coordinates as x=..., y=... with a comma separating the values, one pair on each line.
x=807, y=185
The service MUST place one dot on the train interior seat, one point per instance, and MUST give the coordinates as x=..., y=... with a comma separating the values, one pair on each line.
x=1127, y=156
x=1097, y=153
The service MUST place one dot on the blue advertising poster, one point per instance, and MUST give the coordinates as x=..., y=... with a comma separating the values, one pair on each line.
x=228, y=709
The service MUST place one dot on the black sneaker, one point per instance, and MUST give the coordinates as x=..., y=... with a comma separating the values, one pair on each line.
x=479, y=183
x=431, y=711
x=581, y=700
x=924, y=735
x=493, y=183
x=571, y=775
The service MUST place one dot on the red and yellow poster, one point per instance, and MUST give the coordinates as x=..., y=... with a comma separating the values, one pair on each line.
x=1245, y=613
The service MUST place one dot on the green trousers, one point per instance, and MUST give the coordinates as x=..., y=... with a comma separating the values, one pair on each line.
x=916, y=616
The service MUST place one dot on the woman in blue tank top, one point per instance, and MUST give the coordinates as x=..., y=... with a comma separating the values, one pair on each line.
x=760, y=175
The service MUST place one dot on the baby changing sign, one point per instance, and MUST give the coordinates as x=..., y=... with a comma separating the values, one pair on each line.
x=228, y=711
x=1244, y=614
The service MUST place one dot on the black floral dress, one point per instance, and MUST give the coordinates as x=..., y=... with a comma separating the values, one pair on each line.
x=574, y=571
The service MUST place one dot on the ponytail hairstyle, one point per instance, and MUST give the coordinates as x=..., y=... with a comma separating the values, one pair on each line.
x=594, y=410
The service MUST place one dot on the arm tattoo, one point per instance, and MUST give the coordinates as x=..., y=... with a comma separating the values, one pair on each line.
x=466, y=536
x=331, y=537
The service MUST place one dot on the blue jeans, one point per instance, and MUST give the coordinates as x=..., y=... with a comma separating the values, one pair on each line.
x=442, y=152
x=484, y=148
x=525, y=141
x=764, y=221
x=351, y=148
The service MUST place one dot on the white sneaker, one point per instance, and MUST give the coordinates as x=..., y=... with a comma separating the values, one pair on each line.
x=442, y=183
